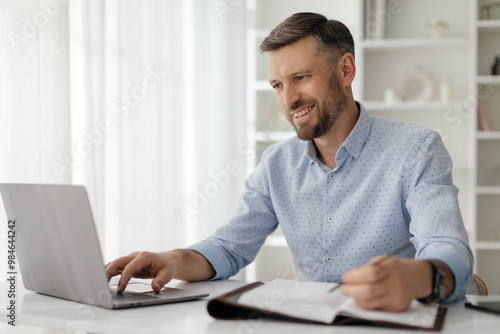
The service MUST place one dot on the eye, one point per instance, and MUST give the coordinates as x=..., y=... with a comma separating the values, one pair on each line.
x=276, y=86
x=301, y=77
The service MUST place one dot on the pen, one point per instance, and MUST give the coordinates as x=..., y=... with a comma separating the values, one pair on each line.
x=376, y=263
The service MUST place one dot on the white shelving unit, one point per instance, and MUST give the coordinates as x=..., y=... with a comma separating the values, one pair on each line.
x=487, y=233
x=462, y=59
x=465, y=56
x=413, y=43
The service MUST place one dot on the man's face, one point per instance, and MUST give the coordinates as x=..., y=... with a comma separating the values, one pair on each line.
x=307, y=88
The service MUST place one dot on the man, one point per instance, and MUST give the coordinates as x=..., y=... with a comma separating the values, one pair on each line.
x=349, y=188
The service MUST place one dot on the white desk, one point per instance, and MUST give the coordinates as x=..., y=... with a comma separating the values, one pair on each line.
x=38, y=314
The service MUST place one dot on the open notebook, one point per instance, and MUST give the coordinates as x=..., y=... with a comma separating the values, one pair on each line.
x=312, y=302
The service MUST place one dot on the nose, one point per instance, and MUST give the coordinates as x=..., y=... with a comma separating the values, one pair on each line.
x=290, y=96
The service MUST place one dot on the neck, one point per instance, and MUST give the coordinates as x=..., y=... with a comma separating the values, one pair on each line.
x=328, y=144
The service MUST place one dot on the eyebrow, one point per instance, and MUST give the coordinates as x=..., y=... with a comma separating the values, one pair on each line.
x=299, y=72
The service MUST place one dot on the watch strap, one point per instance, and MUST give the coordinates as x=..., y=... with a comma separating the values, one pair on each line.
x=437, y=285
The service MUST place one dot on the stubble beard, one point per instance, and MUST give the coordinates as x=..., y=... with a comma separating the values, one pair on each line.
x=328, y=112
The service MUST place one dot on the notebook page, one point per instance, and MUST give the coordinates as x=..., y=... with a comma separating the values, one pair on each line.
x=305, y=300
x=418, y=314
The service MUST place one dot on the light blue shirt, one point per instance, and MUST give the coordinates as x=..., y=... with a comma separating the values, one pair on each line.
x=392, y=184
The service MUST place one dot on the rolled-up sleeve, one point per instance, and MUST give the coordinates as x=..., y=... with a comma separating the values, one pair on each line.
x=436, y=222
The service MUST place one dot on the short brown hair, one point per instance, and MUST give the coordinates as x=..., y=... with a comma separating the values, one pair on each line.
x=333, y=37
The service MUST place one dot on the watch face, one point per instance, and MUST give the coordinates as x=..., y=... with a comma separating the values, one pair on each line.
x=440, y=293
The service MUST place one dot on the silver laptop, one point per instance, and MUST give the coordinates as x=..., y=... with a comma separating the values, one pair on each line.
x=58, y=250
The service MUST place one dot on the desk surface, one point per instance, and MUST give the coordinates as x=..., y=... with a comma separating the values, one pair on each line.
x=42, y=314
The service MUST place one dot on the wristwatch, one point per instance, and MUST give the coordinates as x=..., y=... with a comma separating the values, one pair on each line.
x=437, y=293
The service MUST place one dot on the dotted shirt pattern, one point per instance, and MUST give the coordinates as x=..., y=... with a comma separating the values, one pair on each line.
x=392, y=183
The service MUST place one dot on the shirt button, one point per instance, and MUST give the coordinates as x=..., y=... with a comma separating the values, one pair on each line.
x=330, y=219
x=329, y=259
x=332, y=176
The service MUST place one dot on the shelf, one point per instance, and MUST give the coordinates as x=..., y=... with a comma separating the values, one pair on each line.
x=274, y=135
x=408, y=43
x=408, y=105
x=488, y=245
x=276, y=241
x=488, y=135
x=488, y=190
x=487, y=26
x=493, y=80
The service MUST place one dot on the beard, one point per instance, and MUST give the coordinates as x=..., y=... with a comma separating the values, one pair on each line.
x=328, y=112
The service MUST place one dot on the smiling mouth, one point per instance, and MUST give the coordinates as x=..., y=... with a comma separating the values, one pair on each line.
x=303, y=112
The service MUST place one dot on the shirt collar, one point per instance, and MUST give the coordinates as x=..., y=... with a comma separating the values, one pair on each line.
x=354, y=142
x=359, y=134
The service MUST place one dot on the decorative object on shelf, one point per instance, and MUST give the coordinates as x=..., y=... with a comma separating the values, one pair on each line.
x=445, y=91
x=391, y=97
x=483, y=121
x=375, y=16
x=495, y=68
x=437, y=28
x=417, y=85
x=491, y=11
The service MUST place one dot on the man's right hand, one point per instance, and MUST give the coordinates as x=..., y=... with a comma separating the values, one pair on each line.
x=184, y=264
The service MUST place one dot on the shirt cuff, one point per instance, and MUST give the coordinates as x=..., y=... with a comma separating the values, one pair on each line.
x=462, y=272
x=216, y=258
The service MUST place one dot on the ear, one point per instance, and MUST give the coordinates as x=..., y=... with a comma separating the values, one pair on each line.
x=346, y=69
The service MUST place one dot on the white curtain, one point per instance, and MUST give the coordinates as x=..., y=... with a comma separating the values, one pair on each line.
x=154, y=120
x=34, y=87
x=34, y=95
